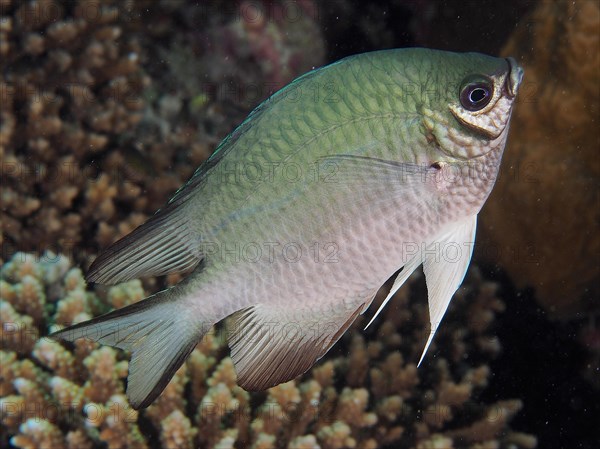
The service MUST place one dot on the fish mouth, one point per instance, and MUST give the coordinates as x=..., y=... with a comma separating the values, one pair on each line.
x=513, y=79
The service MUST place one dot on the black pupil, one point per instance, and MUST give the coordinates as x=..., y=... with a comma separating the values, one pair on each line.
x=478, y=94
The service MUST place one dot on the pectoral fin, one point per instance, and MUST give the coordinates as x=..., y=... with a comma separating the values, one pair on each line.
x=445, y=263
x=379, y=181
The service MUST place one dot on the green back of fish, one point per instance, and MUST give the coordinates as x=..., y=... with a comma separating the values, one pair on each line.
x=366, y=104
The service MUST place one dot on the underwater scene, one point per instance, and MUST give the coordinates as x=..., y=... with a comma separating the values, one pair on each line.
x=266, y=327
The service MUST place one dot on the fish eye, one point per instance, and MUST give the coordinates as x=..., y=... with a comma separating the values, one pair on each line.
x=475, y=95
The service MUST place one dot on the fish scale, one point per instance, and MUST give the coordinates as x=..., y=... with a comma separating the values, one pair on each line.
x=377, y=163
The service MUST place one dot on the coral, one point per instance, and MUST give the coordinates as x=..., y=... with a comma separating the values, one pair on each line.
x=176, y=431
x=367, y=393
x=274, y=40
x=89, y=118
x=71, y=86
x=35, y=433
x=540, y=222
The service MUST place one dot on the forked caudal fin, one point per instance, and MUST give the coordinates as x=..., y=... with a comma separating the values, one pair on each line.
x=159, y=333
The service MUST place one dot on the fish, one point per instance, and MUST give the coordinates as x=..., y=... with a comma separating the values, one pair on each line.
x=373, y=165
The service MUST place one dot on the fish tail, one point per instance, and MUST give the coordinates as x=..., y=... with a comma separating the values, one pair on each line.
x=158, y=332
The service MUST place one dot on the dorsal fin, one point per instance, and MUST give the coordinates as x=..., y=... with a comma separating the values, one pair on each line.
x=165, y=244
x=162, y=245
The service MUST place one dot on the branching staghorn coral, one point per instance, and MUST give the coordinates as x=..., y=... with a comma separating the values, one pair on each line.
x=367, y=392
x=70, y=85
x=99, y=97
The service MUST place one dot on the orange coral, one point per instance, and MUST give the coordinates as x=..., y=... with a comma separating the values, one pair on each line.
x=540, y=221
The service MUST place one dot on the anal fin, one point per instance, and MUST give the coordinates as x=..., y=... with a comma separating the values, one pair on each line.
x=270, y=346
